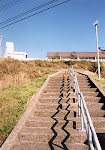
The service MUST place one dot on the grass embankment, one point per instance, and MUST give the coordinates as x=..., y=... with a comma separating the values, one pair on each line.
x=100, y=82
x=13, y=72
x=13, y=103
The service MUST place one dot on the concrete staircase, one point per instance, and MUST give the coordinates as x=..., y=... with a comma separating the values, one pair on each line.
x=54, y=124
x=95, y=102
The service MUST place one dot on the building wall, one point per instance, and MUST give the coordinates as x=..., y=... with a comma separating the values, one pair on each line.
x=19, y=55
x=10, y=52
x=78, y=59
x=9, y=47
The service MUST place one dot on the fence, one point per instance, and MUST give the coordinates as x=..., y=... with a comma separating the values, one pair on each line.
x=86, y=121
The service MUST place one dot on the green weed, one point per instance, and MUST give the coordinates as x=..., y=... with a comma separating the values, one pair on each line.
x=14, y=101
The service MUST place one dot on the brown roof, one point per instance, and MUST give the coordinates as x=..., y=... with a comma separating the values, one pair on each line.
x=78, y=54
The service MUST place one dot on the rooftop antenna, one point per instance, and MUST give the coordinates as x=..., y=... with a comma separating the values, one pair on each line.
x=1, y=37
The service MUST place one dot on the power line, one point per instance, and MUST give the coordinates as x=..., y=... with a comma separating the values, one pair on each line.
x=10, y=4
x=27, y=12
x=35, y=14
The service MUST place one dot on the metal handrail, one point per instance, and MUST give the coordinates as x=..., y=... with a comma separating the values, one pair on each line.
x=85, y=116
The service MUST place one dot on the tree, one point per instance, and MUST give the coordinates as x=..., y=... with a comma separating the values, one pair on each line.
x=57, y=56
x=73, y=55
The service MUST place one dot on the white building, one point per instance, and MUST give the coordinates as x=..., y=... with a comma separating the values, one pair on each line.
x=9, y=52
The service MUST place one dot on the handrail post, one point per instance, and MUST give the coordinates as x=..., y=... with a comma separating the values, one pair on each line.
x=82, y=125
x=79, y=106
x=90, y=138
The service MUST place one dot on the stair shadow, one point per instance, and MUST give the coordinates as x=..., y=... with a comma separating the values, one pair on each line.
x=51, y=144
x=101, y=138
x=56, y=121
x=63, y=128
x=65, y=118
x=55, y=133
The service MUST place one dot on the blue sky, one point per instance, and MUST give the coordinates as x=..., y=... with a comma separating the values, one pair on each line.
x=66, y=28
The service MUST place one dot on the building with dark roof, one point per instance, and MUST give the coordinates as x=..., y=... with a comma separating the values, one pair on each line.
x=75, y=55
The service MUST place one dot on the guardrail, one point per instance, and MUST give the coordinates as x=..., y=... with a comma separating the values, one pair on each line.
x=86, y=121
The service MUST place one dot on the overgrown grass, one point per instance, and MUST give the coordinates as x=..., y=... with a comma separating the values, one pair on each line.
x=101, y=82
x=94, y=76
x=13, y=103
x=13, y=72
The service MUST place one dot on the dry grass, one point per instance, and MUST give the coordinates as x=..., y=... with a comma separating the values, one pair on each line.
x=90, y=66
x=13, y=72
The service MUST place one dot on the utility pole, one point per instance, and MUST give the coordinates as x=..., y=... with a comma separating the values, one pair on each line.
x=1, y=37
x=95, y=24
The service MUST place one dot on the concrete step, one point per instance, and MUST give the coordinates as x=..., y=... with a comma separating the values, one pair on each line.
x=59, y=95
x=56, y=78
x=55, y=84
x=99, y=124
x=52, y=99
x=94, y=94
x=39, y=122
x=82, y=77
x=48, y=113
x=77, y=146
x=46, y=146
x=83, y=81
x=55, y=106
x=84, y=86
x=60, y=87
x=73, y=123
x=88, y=89
x=45, y=135
x=92, y=99
x=60, y=79
x=74, y=137
x=57, y=90
x=29, y=145
x=94, y=105
x=64, y=92
x=61, y=82
x=97, y=113
x=100, y=130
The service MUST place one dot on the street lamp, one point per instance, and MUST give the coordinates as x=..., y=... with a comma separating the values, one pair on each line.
x=95, y=24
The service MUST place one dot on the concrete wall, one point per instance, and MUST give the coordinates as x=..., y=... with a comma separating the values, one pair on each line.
x=12, y=54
